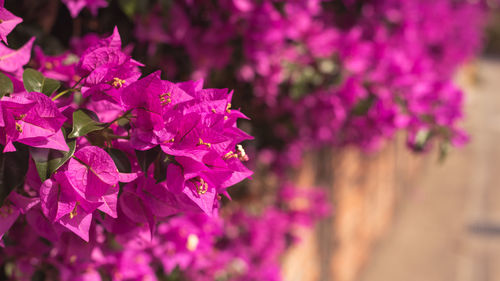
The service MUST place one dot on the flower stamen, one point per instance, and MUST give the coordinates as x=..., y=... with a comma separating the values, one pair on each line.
x=117, y=83
x=201, y=185
x=242, y=155
x=165, y=98
x=230, y=155
x=74, y=213
x=200, y=142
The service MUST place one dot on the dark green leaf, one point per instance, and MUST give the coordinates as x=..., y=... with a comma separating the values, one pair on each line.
x=147, y=157
x=160, y=172
x=13, y=169
x=34, y=81
x=99, y=138
x=41, y=158
x=120, y=159
x=132, y=7
x=84, y=122
x=6, y=86
x=362, y=107
x=39, y=275
x=298, y=90
x=47, y=161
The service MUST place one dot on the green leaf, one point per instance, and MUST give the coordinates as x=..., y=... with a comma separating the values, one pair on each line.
x=120, y=159
x=147, y=157
x=99, y=138
x=84, y=122
x=133, y=7
x=39, y=275
x=13, y=169
x=34, y=81
x=6, y=86
x=47, y=161
x=362, y=107
x=160, y=172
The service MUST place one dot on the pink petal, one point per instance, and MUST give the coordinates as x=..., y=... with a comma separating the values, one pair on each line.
x=14, y=60
x=204, y=201
x=9, y=22
x=127, y=177
x=79, y=224
x=55, y=203
x=41, y=225
x=175, y=178
x=109, y=203
x=55, y=141
x=23, y=203
x=93, y=173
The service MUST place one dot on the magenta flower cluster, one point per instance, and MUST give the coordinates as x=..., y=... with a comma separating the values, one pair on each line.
x=185, y=138
x=108, y=174
x=328, y=73
x=108, y=171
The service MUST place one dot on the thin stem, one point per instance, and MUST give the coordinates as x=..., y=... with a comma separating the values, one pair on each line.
x=68, y=90
x=63, y=93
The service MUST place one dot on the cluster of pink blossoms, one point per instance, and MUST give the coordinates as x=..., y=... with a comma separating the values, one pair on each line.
x=327, y=73
x=175, y=145
x=119, y=174
x=110, y=175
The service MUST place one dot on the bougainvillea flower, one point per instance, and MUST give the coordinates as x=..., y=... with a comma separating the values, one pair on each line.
x=106, y=68
x=61, y=203
x=135, y=208
x=158, y=199
x=184, y=238
x=92, y=172
x=60, y=67
x=144, y=97
x=42, y=120
x=78, y=222
x=23, y=203
x=8, y=22
x=104, y=82
x=12, y=109
x=135, y=265
x=14, y=60
x=41, y=225
x=75, y=6
x=203, y=193
x=32, y=119
x=105, y=51
x=320, y=77
x=56, y=200
x=88, y=182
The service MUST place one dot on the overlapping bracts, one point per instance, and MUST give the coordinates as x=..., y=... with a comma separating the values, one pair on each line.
x=110, y=154
x=111, y=172
x=330, y=73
